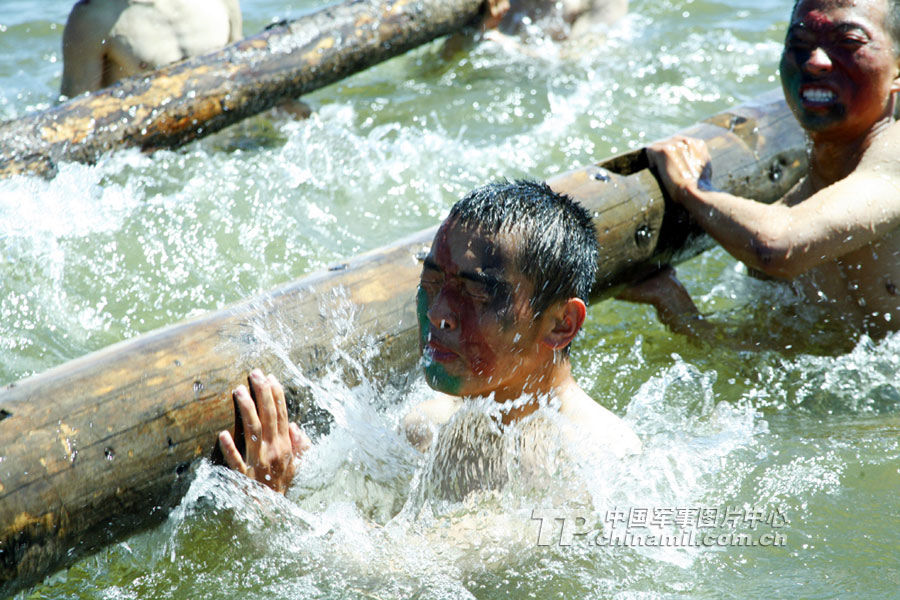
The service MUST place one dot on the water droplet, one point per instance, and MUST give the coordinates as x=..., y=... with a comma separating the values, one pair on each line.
x=601, y=175
x=643, y=236
x=775, y=171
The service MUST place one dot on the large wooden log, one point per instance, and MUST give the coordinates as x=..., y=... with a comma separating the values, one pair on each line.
x=100, y=447
x=196, y=97
x=758, y=151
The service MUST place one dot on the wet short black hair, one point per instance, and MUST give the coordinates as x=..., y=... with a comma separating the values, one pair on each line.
x=555, y=242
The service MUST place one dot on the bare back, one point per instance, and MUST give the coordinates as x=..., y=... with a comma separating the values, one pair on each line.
x=107, y=40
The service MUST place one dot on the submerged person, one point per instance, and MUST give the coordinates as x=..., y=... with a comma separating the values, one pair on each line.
x=511, y=22
x=836, y=235
x=560, y=19
x=107, y=40
x=502, y=295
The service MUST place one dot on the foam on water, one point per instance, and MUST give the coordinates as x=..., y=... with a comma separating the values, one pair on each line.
x=363, y=521
x=859, y=382
x=105, y=252
x=385, y=153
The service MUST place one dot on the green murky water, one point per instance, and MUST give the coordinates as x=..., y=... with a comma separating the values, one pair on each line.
x=104, y=253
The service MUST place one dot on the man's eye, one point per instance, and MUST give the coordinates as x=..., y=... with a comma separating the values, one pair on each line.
x=795, y=42
x=431, y=279
x=851, y=42
x=477, y=291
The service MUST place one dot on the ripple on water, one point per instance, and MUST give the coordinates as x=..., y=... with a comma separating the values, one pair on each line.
x=105, y=252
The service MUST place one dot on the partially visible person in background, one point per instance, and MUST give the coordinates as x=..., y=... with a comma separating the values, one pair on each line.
x=107, y=40
x=560, y=19
x=518, y=24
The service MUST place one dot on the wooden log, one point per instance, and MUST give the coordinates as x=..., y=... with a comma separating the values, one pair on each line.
x=100, y=447
x=758, y=151
x=193, y=98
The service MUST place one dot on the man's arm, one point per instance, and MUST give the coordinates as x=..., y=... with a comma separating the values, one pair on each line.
x=83, y=53
x=784, y=240
x=674, y=306
x=494, y=11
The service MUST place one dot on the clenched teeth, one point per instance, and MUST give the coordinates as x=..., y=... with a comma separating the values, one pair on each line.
x=818, y=95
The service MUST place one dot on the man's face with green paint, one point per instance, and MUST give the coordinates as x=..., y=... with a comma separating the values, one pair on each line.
x=838, y=68
x=476, y=326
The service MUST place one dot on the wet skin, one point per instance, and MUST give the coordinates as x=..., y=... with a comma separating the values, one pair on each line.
x=476, y=326
x=435, y=373
x=107, y=40
x=836, y=68
x=835, y=236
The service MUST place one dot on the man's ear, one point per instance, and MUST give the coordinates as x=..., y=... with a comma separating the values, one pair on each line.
x=566, y=319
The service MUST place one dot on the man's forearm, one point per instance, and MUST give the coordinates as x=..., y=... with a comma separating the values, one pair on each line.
x=752, y=232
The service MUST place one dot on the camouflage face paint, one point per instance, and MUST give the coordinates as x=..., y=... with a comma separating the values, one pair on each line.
x=435, y=374
x=838, y=67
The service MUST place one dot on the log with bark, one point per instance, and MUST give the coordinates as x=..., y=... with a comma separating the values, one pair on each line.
x=758, y=151
x=100, y=447
x=193, y=98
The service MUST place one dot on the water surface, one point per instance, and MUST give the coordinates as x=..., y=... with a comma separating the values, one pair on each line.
x=106, y=252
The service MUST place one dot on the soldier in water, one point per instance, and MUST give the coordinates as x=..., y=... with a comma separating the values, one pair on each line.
x=836, y=236
x=501, y=298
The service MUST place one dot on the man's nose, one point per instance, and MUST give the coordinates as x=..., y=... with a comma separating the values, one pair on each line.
x=818, y=62
x=441, y=313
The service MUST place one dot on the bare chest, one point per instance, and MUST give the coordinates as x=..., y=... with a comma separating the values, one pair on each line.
x=864, y=285
x=873, y=280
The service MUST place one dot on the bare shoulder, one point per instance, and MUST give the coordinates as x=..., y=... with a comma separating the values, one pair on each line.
x=883, y=155
x=875, y=184
x=601, y=425
x=86, y=15
x=423, y=420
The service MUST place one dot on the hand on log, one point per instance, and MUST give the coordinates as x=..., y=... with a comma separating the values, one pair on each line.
x=272, y=443
x=674, y=306
x=682, y=164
